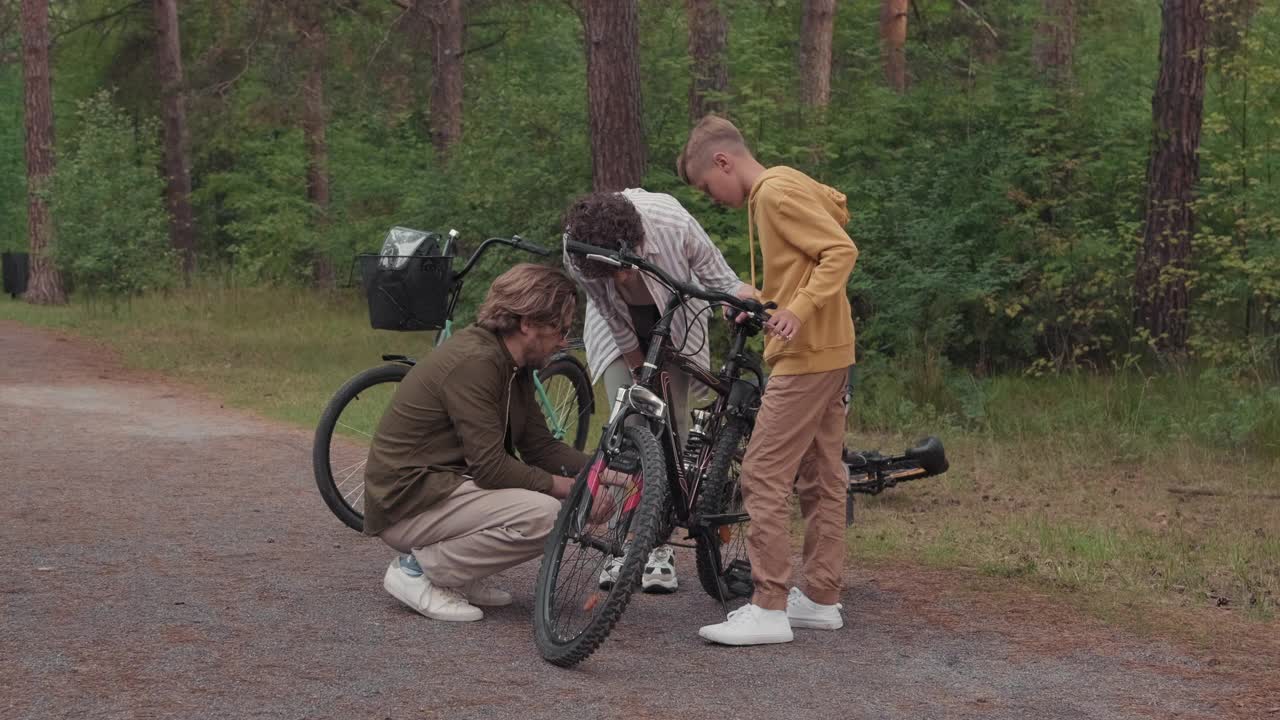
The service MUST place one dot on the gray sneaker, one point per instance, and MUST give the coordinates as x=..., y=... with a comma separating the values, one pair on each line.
x=660, y=571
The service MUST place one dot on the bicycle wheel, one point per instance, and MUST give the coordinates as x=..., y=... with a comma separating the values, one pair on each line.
x=341, y=446
x=613, y=510
x=568, y=401
x=721, y=495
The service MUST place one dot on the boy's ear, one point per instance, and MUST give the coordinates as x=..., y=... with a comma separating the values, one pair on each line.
x=723, y=161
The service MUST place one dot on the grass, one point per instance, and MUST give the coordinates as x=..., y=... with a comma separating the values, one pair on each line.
x=1061, y=482
x=1102, y=525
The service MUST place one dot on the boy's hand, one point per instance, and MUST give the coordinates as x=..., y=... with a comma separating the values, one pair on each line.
x=784, y=324
x=744, y=292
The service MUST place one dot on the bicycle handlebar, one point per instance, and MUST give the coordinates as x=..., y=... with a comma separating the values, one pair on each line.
x=871, y=472
x=621, y=259
x=520, y=243
x=514, y=241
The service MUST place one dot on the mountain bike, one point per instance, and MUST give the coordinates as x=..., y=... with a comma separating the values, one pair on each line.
x=640, y=483
x=418, y=290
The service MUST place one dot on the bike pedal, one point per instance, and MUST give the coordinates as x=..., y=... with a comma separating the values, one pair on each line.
x=737, y=578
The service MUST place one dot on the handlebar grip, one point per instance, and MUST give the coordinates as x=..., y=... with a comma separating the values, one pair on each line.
x=522, y=244
x=580, y=248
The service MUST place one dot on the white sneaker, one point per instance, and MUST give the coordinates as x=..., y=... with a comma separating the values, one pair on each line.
x=750, y=625
x=609, y=575
x=437, y=603
x=480, y=592
x=805, y=613
x=660, y=571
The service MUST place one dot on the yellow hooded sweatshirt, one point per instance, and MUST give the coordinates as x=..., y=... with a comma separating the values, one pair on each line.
x=807, y=260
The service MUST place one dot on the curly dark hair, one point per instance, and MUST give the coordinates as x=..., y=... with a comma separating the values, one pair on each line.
x=607, y=220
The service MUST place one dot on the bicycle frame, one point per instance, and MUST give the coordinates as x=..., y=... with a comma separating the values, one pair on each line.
x=735, y=396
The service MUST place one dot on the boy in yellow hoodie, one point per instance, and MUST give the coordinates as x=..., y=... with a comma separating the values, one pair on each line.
x=800, y=427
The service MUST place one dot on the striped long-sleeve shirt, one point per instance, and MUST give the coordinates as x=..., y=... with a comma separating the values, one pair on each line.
x=675, y=242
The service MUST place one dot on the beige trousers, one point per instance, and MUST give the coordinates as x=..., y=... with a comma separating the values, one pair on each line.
x=475, y=533
x=799, y=429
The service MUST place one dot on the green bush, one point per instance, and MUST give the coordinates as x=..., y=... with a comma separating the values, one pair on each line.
x=108, y=204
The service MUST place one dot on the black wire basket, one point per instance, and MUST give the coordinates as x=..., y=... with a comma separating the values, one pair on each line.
x=407, y=292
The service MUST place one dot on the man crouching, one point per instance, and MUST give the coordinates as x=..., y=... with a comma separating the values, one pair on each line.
x=443, y=485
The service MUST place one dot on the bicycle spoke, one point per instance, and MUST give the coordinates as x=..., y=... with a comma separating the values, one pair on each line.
x=353, y=471
x=561, y=407
x=349, y=442
x=352, y=428
x=604, y=517
x=565, y=402
x=722, y=510
x=359, y=496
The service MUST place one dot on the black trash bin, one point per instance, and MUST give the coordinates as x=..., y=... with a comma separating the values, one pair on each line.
x=15, y=268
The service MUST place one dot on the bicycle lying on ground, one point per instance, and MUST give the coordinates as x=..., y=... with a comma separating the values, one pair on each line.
x=640, y=483
x=412, y=286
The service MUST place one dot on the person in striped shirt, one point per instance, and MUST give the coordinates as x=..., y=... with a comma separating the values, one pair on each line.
x=624, y=305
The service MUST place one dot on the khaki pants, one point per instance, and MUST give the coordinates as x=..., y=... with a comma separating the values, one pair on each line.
x=800, y=428
x=475, y=533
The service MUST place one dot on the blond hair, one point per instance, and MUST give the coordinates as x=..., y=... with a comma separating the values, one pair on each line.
x=712, y=134
x=543, y=295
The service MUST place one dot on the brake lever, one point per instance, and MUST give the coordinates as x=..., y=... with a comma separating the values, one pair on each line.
x=608, y=260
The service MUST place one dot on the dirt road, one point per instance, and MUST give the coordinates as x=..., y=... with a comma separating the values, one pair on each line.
x=165, y=557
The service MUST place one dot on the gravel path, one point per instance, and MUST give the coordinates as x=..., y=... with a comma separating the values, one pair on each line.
x=166, y=557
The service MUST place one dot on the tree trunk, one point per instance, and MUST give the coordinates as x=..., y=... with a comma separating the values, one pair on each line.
x=613, y=94
x=313, y=118
x=311, y=26
x=708, y=36
x=445, y=20
x=984, y=42
x=44, y=284
x=893, y=42
x=318, y=150
x=176, y=164
x=1053, y=47
x=816, y=30
x=1177, y=109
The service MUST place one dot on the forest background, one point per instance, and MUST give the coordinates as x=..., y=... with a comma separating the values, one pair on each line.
x=1067, y=212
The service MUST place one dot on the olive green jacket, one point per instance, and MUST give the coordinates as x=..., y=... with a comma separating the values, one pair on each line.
x=461, y=414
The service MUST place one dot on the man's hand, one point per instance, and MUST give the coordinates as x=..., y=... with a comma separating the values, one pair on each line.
x=602, y=507
x=783, y=324
x=612, y=488
x=560, y=486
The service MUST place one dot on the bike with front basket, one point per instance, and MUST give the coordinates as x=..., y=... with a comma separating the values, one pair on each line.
x=641, y=483
x=411, y=286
